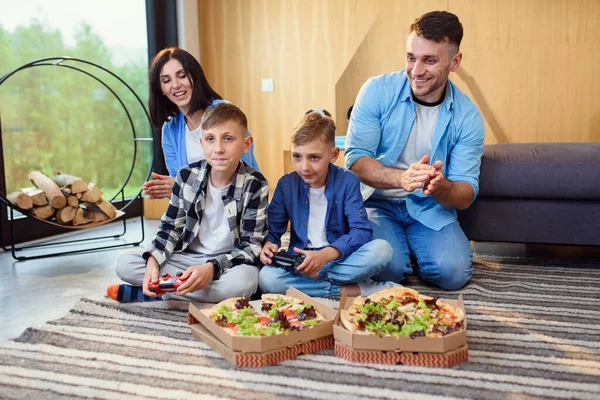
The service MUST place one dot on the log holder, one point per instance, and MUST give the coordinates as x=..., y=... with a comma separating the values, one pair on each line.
x=125, y=204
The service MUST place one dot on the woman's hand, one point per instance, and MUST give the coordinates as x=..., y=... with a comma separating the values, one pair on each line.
x=159, y=188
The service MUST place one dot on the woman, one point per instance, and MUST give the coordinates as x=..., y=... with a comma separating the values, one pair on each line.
x=179, y=95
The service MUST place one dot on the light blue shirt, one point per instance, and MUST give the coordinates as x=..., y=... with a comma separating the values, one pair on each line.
x=381, y=121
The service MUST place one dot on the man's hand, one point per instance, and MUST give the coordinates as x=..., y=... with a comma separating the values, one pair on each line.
x=267, y=253
x=316, y=260
x=198, y=277
x=159, y=188
x=437, y=183
x=151, y=275
x=417, y=174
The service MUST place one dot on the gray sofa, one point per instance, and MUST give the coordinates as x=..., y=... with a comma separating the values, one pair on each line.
x=545, y=193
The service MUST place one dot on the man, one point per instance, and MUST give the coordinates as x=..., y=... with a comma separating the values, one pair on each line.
x=416, y=140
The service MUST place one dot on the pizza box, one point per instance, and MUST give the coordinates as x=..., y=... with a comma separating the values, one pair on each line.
x=447, y=359
x=259, y=360
x=419, y=344
x=253, y=344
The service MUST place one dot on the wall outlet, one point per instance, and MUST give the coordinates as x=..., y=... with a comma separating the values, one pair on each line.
x=266, y=85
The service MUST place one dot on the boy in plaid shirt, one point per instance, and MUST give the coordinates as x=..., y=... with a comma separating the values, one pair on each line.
x=214, y=226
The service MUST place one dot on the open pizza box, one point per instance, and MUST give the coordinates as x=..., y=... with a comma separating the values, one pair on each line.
x=426, y=351
x=261, y=351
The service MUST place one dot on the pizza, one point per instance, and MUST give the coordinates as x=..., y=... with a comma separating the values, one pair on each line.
x=278, y=314
x=402, y=312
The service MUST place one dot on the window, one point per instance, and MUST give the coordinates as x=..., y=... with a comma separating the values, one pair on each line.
x=56, y=119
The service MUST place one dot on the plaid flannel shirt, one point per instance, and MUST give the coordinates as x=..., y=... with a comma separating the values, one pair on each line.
x=245, y=205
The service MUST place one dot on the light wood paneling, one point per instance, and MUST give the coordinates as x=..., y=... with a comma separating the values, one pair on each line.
x=303, y=45
x=530, y=66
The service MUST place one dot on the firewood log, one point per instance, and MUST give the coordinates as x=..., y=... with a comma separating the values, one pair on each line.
x=65, y=215
x=80, y=218
x=53, y=193
x=43, y=212
x=74, y=183
x=92, y=195
x=100, y=206
x=78, y=195
x=72, y=201
x=21, y=200
x=107, y=208
x=38, y=197
x=95, y=216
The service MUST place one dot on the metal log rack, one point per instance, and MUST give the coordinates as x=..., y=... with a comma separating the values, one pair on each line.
x=77, y=64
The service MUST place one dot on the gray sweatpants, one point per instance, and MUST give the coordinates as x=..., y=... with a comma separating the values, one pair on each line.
x=241, y=280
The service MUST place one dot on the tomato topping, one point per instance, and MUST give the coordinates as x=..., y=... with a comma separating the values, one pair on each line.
x=264, y=320
x=288, y=311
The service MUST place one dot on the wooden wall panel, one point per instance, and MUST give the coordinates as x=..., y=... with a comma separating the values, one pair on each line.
x=303, y=45
x=530, y=66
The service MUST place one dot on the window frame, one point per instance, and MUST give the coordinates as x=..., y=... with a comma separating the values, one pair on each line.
x=161, y=25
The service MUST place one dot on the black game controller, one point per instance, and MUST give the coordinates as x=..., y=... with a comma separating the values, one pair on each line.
x=289, y=262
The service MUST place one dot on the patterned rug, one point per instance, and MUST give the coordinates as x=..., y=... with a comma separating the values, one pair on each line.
x=533, y=333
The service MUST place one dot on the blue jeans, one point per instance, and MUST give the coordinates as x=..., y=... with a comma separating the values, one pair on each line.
x=444, y=257
x=368, y=260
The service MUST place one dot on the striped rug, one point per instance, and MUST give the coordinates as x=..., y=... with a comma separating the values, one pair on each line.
x=533, y=333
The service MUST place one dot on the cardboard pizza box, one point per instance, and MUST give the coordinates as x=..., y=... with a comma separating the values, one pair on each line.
x=259, y=360
x=261, y=344
x=447, y=359
x=419, y=344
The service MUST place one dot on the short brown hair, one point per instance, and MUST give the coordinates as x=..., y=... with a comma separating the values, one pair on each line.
x=438, y=26
x=313, y=126
x=221, y=113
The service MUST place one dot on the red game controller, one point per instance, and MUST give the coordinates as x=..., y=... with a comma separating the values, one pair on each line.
x=166, y=283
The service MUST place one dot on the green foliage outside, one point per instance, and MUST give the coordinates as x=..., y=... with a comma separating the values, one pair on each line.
x=56, y=119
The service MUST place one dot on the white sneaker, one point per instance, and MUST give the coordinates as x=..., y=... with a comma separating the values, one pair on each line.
x=369, y=286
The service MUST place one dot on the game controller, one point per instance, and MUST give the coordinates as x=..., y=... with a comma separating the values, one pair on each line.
x=166, y=283
x=289, y=262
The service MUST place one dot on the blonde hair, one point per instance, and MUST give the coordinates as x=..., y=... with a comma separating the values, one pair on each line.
x=221, y=113
x=313, y=126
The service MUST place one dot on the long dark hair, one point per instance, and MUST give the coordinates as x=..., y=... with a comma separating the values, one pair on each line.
x=161, y=108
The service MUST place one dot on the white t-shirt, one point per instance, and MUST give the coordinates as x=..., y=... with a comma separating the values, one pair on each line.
x=417, y=145
x=317, y=237
x=193, y=148
x=214, y=236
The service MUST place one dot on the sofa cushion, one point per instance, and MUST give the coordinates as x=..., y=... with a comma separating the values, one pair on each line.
x=541, y=171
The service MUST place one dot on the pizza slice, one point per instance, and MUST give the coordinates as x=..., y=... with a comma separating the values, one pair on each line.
x=290, y=312
x=402, y=312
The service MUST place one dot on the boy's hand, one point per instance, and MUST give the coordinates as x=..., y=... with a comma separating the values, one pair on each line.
x=151, y=275
x=198, y=277
x=316, y=260
x=267, y=252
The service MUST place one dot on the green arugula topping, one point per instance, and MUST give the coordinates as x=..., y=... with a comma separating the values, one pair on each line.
x=272, y=312
x=310, y=322
x=244, y=313
x=393, y=304
x=280, y=302
x=371, y=308
x=226, y=311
